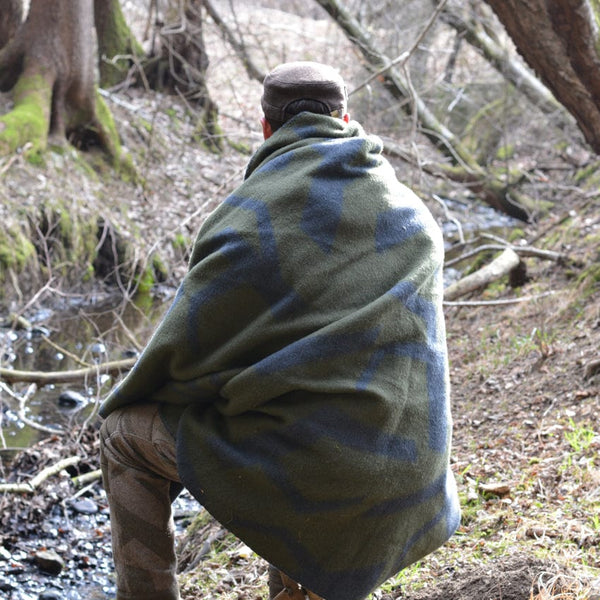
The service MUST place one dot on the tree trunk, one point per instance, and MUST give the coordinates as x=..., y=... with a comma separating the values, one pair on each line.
x=118, y=49
x=49, y=65
x=559, y=40
x=179, y=65
x=11, y=14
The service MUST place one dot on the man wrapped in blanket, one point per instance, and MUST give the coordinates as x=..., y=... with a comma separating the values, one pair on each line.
x=298, y=385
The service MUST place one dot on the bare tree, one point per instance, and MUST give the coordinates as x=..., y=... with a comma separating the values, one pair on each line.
x=474, y=30
x=465, y=168
x=559, y=40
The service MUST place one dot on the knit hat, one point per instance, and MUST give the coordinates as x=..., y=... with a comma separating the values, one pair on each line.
x=302, y=80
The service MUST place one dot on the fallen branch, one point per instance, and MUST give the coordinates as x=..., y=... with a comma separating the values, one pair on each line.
x=88, y=477
x=500, y=266
x=557, y=257
x=45, y=377
x=499, y=302
x=30, y=486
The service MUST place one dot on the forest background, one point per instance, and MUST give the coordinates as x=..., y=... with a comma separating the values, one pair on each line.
x=492, y=118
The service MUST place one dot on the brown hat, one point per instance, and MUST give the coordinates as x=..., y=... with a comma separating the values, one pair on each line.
x=302, y=80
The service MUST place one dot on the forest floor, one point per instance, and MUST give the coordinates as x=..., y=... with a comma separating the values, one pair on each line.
x=525, y=387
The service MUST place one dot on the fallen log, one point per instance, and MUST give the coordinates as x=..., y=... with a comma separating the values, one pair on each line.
x=500, y=266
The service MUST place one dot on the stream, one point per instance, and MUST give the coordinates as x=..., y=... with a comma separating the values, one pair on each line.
x=63, y=552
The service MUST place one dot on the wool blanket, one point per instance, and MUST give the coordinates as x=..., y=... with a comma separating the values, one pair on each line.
x=302, y=365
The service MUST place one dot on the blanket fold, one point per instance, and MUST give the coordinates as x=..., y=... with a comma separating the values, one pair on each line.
x=302, y=365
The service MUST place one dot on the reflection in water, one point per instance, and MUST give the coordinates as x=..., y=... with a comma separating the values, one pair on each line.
x=60, y=341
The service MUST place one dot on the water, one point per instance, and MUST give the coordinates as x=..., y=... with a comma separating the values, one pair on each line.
x=61, y=340
x=58, y=340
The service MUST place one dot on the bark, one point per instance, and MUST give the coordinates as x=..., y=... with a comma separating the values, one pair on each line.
x=179, y=65
x=11, y=13
x=118, y=50
x=49, y=65
x=559, y=40
x=465, y=167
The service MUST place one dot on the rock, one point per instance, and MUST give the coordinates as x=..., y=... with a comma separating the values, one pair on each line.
x=70, y=399
x=49, y=561
x=51, y=595
x=98, y=349
x=85, y=506
x=40, y=331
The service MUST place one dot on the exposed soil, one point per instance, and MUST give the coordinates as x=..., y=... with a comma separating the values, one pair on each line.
x=526, y=393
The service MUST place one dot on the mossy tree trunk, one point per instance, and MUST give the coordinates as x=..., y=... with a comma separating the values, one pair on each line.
x=118, y=50
x=49, y=66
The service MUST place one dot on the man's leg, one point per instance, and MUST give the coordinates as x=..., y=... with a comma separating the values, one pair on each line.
x=140, y=474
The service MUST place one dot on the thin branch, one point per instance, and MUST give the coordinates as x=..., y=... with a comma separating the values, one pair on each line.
x=403, y=58
x=22, y=401
x=237, y=44
x=500, y=302
x=46, y=377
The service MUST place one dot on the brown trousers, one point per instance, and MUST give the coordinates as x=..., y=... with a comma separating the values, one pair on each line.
x=141, y=480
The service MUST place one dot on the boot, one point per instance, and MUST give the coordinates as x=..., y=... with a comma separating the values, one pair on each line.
x=282, y=587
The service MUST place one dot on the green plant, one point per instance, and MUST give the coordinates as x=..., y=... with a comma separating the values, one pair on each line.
x=579, y=438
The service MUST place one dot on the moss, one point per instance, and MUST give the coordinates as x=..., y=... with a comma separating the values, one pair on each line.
x=240, y=147
x=108, y=133
x=145, y=281
x=159, y=268
x=505, y=152
x=15, y=250
x=209, y=133
x=516, y=234
x=591, y=172
x=180, y=243
x=28, y=123
x=115, y=38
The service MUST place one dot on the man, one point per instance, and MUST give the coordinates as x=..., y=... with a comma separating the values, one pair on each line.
x=298, y=385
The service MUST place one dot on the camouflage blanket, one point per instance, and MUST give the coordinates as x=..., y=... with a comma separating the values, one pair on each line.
x=302, y=365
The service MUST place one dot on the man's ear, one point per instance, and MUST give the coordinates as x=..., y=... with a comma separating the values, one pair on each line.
x=266, y=127
x=346, y=118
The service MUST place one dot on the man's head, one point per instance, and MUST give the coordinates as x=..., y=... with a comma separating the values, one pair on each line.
x=294, y=87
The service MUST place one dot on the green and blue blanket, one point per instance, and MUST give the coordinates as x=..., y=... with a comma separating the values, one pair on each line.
x=302, y=366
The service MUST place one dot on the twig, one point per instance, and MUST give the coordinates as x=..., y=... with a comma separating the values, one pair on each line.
x=454, y=220
x=520, y=250
x=22, y=400
x=405, y=55
x=65, y=352
x=28, y=487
